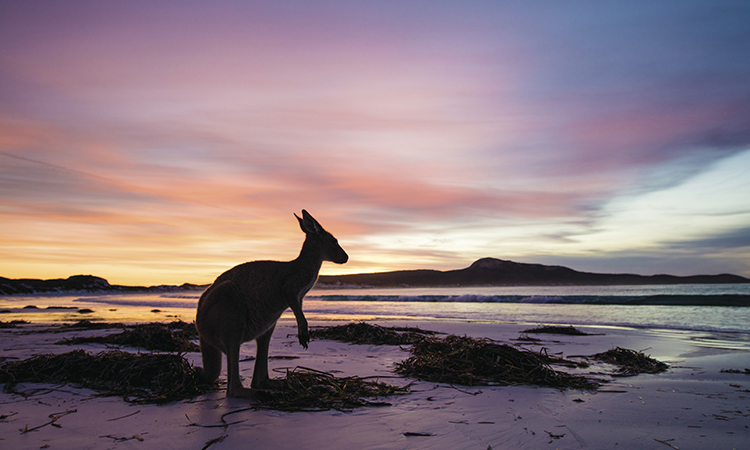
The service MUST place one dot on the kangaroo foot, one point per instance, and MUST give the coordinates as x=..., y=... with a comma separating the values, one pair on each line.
x=203, y=375
x=242, y=393
x=269, y=384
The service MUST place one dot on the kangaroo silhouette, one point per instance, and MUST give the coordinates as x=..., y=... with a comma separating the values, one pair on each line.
x=246, y=301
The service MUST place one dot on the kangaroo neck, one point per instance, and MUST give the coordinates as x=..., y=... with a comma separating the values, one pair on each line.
x=310, y=258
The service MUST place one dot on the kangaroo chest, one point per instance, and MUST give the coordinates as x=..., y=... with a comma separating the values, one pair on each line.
x=305, y=289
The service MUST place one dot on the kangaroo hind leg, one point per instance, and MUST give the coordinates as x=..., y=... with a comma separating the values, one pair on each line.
x=234, y=383
x=260, y=372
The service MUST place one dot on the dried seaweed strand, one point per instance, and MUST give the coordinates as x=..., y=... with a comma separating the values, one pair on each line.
x=54, y=416
x=214, y=441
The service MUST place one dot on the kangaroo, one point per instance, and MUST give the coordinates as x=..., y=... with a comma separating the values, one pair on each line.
x=246, y=301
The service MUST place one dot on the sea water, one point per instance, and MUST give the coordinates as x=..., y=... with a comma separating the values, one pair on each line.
x=562, y=305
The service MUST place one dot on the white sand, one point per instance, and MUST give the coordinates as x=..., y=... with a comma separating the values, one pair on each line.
x=691, y=406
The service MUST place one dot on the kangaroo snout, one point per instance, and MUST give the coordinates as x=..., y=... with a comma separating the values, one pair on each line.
x=341, y=258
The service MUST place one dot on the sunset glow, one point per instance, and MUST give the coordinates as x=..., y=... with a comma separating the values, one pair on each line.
x=159, y=142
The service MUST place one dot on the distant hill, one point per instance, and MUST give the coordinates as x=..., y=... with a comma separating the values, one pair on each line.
x=79, y=284
x=483, y=272
x=498, y=272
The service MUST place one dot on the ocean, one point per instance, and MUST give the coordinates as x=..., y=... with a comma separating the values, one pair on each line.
x=668, y=307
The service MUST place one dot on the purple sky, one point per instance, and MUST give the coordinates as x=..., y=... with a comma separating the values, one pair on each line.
x=164, y=142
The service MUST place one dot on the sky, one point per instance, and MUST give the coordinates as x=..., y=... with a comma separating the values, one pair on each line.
x=165, y=142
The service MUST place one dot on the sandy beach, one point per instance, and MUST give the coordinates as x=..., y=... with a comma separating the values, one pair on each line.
x=702, y=401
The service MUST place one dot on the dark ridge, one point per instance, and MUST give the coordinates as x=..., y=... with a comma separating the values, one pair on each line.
x=32, y=286
x=81, y=284
x=498, y=272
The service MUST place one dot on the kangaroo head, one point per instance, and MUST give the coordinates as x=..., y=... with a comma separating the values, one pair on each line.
x=330, y=247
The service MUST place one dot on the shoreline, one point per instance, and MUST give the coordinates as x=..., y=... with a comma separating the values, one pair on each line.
x=98, y=286
x=440, y=306
x=692, y=405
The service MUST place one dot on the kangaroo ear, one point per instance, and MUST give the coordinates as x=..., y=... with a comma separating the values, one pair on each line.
x=308, y=224
x=301, y=223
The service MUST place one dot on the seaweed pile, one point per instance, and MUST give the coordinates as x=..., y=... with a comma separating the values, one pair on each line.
x=481, y=362
x=549, y=329
x=304, y=389
x=188, y=329
x=364, y=333
x=86, y=324
x=12, y=323
x=173, y=337
x=138, y=378
x=631, y=362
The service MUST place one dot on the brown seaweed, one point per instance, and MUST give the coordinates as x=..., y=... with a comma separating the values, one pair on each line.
x=138, y=378
x=549, y=329
x=86, y=324
x=631, y=362
x=172, y=337
x=304, y=389
x=12, y=323
x=364, y=333
x=482, y=362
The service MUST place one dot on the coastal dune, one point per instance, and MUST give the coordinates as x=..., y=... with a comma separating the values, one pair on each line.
x=700, y=402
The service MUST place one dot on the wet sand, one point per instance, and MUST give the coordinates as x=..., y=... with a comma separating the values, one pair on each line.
x=692, y=405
